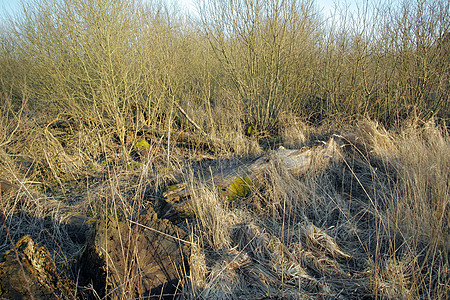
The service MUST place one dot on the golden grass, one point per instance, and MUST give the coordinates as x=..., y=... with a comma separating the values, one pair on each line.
x=388, y=250
x=370, y=219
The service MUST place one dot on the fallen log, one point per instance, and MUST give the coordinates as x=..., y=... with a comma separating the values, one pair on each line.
x=295, y=161
x=140, y=258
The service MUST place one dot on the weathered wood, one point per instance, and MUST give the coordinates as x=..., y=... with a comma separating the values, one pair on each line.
x=144, y=257
x=28, y=272
x=6, y=187
x=297, y=162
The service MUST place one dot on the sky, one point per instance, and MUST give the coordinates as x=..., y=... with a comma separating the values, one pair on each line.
x=9, y=6
x=14, y=6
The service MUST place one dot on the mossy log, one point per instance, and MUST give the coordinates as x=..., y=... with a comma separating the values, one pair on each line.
x=295, y=161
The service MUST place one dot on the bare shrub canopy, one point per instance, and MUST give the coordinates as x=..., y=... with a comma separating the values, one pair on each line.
x=286, y=153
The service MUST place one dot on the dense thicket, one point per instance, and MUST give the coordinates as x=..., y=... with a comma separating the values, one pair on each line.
x=239, y=65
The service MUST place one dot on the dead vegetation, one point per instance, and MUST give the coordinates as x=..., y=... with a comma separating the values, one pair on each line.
x=367, y=216
x=261, y=152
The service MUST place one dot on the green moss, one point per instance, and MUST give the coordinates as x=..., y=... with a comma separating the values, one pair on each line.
x=143, y=145
x=176, y=187
x=240, y=188
x=252, y=130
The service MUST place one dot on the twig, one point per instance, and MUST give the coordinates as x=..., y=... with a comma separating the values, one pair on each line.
x=162, y=296
x=160, y=232
x=190, y=120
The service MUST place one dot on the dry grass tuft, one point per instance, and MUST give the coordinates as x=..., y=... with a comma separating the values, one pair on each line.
x=350, y=221
x=293, y=131
x=213, y=217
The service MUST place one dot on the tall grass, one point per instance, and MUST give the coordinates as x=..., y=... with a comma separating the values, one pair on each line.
x=383, y=196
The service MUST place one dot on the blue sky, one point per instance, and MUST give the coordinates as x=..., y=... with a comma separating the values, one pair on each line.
x=9, y=6
x=327, y=6
x=13, y=6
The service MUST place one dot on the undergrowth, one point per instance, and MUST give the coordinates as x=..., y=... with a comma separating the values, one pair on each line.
x=107, y=106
